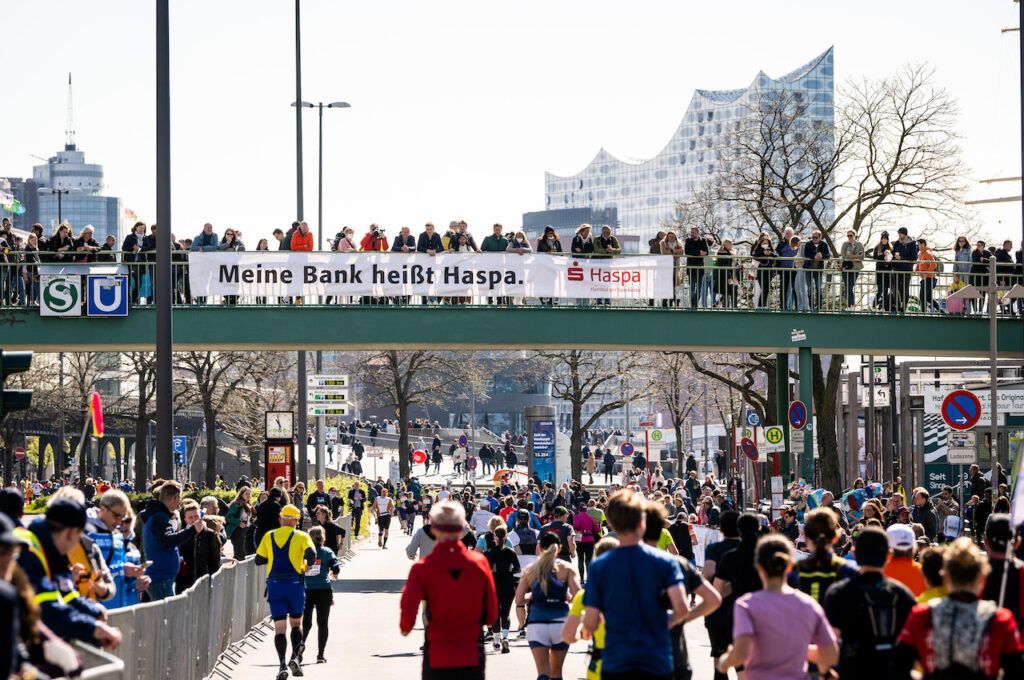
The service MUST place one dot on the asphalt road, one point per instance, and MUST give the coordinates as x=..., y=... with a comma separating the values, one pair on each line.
x=365, y=640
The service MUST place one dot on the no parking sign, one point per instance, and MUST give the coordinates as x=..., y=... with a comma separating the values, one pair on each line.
x=627, y=449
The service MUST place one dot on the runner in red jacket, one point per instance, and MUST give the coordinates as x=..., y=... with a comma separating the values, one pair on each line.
x=461, y=600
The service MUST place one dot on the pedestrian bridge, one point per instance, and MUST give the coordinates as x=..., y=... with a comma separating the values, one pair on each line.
x=310, y=327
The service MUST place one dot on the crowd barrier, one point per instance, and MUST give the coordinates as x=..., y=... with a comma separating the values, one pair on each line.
x=185, y=637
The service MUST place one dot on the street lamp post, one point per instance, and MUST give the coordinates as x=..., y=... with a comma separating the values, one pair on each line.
x=59, y=193
x=320, y=106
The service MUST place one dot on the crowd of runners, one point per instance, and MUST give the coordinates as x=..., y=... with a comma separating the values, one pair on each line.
x=823, y=591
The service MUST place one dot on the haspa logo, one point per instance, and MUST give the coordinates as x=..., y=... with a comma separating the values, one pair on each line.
x=575, y=271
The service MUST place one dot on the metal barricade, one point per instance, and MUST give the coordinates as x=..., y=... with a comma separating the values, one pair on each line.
x=238, y=602
x=178, y=621
x=151, y=641
x=199, y=607
x=218, y=602
x=124, y=620
x=98, y=663
x=345, y=522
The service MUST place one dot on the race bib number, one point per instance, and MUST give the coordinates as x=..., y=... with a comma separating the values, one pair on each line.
x=313, y=569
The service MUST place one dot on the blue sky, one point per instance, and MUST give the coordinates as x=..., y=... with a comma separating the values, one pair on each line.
x=458, y=107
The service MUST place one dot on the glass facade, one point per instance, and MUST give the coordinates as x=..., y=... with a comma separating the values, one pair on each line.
x=644, y=193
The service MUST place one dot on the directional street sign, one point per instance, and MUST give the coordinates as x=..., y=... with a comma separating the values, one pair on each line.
x=883, y=397
x=797, y=415
x=320, y=410
x=962, y=448
x=333, y=397
x=881, y=375
x=961, y=410
x=626, y=449
x=321, y=380
x=749, y=448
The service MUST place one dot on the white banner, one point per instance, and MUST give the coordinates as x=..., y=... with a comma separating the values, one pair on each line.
x=455, y=274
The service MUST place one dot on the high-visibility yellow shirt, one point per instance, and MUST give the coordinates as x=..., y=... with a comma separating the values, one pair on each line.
x=576, y=608
x=296, y=551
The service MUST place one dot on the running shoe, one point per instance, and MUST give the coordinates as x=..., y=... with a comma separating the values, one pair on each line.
x=296, y=669
x=497, y=644
x=522, y=633
x=282, y=673
x=488, y=634
x=504, y=646
x=297, y=654
x=321, y=659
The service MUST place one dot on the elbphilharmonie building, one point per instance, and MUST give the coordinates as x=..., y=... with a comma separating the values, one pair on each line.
x=644, y=193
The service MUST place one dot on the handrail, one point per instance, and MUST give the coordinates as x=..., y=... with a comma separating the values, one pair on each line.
x=875, y=288
x=98, y=663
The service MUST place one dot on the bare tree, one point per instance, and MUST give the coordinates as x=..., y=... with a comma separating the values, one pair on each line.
x=398, y=379
x=581, y=377
x=212, y=377
x=678, y=388
x=270, y=386
x=893, y=155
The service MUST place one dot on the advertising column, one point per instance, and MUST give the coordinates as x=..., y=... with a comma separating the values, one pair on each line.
x=541, y=441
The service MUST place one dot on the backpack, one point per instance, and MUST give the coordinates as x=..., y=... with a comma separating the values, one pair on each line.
x=528, y=540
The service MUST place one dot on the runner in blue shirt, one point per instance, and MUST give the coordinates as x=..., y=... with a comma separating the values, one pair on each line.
x=625, y=586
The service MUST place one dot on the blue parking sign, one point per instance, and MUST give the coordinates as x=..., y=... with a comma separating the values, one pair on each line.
x=107, y=295
x=179, y=450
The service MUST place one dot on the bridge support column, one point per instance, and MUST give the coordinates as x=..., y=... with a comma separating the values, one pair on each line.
x=807, y=397
x=782, y=411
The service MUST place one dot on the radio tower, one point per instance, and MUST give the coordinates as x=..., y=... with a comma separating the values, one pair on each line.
x=69, y=131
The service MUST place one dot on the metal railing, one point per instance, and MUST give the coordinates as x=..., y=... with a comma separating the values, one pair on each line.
x=193, y=634
x=741, y=283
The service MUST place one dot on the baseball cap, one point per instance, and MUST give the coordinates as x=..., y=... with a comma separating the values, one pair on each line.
x=290, y=511
x=998, y=530
x=67, y=513
x=7, y=535
x=901, y=537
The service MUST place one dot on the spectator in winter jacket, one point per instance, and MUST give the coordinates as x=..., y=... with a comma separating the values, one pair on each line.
x=161, y=540
x=496, y=242
x=302, y=239
x=404, y=242
x=374, y=240
x=206, y=241
x=201, y=553
x=429, y=241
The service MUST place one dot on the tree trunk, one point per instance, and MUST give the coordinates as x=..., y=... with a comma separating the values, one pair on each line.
x=404, y=464
x=211, y=444
x=575, y=443
x=680, y=460
x=825, y=396
x=255, y=456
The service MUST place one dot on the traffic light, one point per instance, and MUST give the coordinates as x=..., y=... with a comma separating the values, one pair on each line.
x=14, y=400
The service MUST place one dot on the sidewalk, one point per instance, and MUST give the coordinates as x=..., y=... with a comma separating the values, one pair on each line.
x=365, y=638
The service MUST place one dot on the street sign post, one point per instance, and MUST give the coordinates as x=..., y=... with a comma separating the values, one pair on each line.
x=322, y=380
x=752, y=419
x=869, y=465
x=463, y=441
x=19, y=453
x=180, y=444
x=880, y=377
x=883, y=398
x=797, y=415
x=419, y=456
x=749, y=448
x=626, y=449
x=313, y=409
x=961, y=410
x=647, y=420
x=962, y=448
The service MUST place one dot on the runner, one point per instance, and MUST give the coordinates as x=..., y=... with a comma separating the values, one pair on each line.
x=694, y=585
x=815, y=574
x=504, y=567
x=551, y=583
x=459, y=592
x=868, y=610
x=961, y=636
x=383, y=507
x=525, y=541
x=777, y=630
x=319, y=596
x=572, y=629
x=284, y=550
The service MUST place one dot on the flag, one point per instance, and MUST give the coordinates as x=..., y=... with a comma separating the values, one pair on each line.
x=130, y=214
x=1017, y=495
x=6, y=200
x=97, y=415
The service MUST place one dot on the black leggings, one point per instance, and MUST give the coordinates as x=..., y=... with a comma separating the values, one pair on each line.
x=584, y=553
x=504, y=620
x=321, y=600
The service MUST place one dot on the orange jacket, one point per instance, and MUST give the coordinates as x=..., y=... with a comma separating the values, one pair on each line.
x=302, y=242
x=926, y=263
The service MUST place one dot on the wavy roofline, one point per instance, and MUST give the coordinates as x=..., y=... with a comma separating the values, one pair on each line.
x=715, y=96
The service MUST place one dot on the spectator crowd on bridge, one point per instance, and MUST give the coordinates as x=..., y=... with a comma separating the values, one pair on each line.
x=790, y=272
